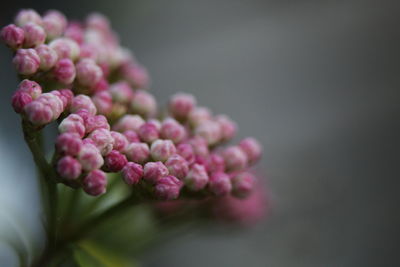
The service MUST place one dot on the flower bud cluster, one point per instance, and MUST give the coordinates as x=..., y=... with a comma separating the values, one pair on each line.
x=108, y=122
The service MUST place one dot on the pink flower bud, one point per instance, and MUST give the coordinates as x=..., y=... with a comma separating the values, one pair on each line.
x=197, y=178
x=242, y=184
x=69, y=168
x=235, y=158
x=19, y=100
x=132, y=136
x=90, y=157
x=186, y=151
x=121, y=92
x=172, y=130
x=54, y=102
x=199, y=115
x=38, y=113
x=89, y=51
x=34, y=35
x=181, y=104
x=227, y=126
x=199, y=145
x=103, y=140
x=153, y=171
x=13, y=36
x=98, y=21
x=88, y=73
x=120, y=141
x=177, y=166
x=167, y=188
x=101, y=85
x=30, y=87
x=69, y=143
x=215, y=163
x=138, y=152
x=26, y=61
x=252, y=148
x=136, y=75
x=129, y=122
x=148, y=132
x=144, y=104
x=132, y=173
x=48, y=57
x=220, y=184
x=156, y=123
x=65, y=48
x=115, y=161
x=95, y=183
x=103, y=102
x=25, y=16
x=72, y=124
x=210, y=131
x=66, y=96
x=64, y=71
x=83, y=102
x=161, y=150
x=75, y=32
x=54, y=23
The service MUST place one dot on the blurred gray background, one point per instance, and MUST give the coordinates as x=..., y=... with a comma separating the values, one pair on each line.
x=316, y=81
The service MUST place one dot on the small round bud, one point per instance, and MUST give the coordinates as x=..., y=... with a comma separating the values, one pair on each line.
x=186, y=151
x=227, y=126
x=177, y=166
x=138, y=152
x=69, y=143
x=197, y=178
x=72, y=124
x=64, y=71
x=98, y=21
x=83, y=102
x=38, y=113
x=172, y=130
x=132, y=173
x=148, y=132
x=156, y=123
x=167, y=188
x=34, y=35
x=181, y=104
x=66, y=96
x=129, y=122
x=215, y=163
x=120, y=141
x=121, y=92
x=48, y=57
x=115, y=161
x=161, y=150
x=199, y=115
x=54, y=23
x=153, y=171
x=19, y=100
x=74, y=31
x=54, y=102
x=252, y=148
x=26, y=61
x=95, y=183
x=132, y=136
x=101, y=86
x=25, y=16
x=69, y=168
x=13, y=36
x=220, y=184
x=144, y=104
x=136, y=75
x=210, y=131
x=242, y=184
x=65, y=48
x=199, y=145
x=88, y=73
x=235, y=158
x=90, y=157
x=103, y=140
x=103, y=102
x=30, y=87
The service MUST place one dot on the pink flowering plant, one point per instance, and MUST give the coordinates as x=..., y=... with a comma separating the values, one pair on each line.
x=119, y=157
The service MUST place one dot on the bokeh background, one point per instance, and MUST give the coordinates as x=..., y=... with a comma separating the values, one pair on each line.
x=317, y=82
